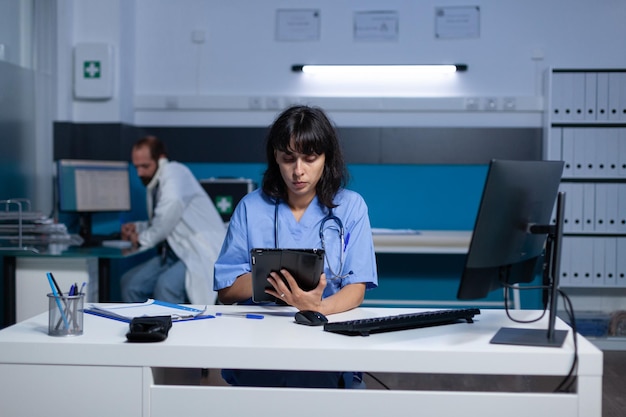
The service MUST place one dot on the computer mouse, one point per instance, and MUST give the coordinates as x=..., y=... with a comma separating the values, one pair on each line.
x=310, y=318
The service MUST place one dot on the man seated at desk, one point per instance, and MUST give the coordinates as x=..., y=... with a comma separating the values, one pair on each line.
x=183, y=224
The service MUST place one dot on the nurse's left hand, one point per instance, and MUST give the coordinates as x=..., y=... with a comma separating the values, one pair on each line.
x=292, y=294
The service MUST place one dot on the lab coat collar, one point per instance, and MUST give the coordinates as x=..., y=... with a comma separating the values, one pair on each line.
x=155, y=179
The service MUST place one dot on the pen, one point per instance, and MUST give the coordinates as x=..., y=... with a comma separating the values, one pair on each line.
x=56, y=297
x=82, y=287
x=345, y=244
x=56, y=285
x=242, y=315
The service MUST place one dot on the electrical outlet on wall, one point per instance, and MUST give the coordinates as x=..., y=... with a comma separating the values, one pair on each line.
x=472, y=103
x=508, y=104
x=491, y=104
x=255, y=103
x=272, y=103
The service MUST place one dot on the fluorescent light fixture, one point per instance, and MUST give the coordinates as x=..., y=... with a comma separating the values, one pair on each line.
x=373, y=70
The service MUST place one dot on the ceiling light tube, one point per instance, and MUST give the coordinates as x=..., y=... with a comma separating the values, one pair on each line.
x=379, y=69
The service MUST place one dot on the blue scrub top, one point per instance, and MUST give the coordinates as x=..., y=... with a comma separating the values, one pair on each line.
x=252, y=226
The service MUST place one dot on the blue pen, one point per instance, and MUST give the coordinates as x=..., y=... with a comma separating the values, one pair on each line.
x=56, y=297
x=242, y=315
x=345, y=244
x=56, y=285
x=82, y=288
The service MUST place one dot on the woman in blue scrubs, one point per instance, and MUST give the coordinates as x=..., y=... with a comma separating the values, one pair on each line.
x=302, y=193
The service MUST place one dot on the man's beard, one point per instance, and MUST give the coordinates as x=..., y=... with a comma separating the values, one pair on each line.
x=145, y=180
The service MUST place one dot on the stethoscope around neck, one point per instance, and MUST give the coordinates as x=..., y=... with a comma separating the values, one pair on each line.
x=329, y=217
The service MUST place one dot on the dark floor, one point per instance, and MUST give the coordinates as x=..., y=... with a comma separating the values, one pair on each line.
x=613, y=393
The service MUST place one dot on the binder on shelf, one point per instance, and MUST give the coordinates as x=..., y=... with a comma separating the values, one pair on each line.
x=606, y=164
x=580, y=168
x=568, y=152
x=575, y=200
x=567, y=211
x=610, y=261
x=622, y=96
x=598, y=265
x=600, y=209
x=578, y=96
x=621, y=208
x=578, y=259
x=621, y=159
x=566, y=261
x=591, y=95
x=590, y=144
x=612, y=209
x=602, y=96
x=583, y=259
x=608, y=151
x=127, y=311
x=620, y=270
x=589, y=204
x=615, y=81
x=559, y=92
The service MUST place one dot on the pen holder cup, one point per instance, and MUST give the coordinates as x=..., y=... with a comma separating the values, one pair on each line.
x=65, y=315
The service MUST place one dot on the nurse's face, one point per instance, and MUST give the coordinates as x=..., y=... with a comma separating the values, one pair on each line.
x=300, y=172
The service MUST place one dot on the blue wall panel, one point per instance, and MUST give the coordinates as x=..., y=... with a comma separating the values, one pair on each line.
x=438, y=197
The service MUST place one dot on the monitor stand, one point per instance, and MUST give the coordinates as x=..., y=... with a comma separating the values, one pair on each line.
x=84, y=230
x=542, y=337
x=528, y=337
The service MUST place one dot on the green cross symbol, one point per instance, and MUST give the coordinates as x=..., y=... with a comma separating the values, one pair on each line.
x=91, y=69
x=224, y=204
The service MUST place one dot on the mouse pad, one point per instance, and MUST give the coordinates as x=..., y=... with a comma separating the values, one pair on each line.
x=305, y=265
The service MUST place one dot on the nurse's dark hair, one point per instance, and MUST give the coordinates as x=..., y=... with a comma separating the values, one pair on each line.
x=312, y=133
x=156, y=146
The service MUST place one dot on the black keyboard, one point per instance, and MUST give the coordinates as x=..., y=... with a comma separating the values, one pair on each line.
x=364, y=327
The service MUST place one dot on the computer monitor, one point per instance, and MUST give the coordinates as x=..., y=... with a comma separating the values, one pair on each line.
x=513, y=240
x=86, y=187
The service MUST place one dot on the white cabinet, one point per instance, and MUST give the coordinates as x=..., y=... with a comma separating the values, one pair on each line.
x=585, y=126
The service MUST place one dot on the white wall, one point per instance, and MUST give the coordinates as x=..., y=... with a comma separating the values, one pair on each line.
x=239, y=73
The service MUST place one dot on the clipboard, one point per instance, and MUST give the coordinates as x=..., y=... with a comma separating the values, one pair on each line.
x=306, y=266
x=125, y=312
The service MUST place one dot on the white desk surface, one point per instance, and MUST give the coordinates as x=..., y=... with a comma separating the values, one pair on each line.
x=426, y=241
x=238, y=342
x=100, y=365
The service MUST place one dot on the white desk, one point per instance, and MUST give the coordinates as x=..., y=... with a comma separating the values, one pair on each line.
x=99, y=374
x=426, y=241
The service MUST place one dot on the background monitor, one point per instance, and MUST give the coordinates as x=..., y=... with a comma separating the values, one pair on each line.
x=512, y=226
x=88, y=186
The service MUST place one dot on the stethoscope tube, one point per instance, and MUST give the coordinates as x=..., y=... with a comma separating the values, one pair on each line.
x=329, y=216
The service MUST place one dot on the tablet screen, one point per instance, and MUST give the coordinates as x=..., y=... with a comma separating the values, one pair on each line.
x=305, y=265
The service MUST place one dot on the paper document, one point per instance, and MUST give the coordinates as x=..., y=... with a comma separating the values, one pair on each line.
x=127, y=311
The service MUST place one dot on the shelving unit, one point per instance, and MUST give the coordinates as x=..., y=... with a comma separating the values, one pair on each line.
x=22, y=229
x=585, y=126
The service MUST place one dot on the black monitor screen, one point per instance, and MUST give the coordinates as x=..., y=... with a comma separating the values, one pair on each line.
x=93, y=186
x=516, y=195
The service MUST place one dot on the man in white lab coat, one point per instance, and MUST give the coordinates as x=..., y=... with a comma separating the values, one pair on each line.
x=184, y=225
